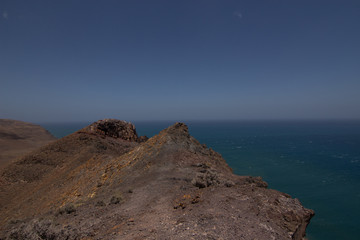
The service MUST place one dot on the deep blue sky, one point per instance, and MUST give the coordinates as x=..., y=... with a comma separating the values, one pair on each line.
x=179, y=60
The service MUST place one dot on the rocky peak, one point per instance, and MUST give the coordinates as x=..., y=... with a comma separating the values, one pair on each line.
x=178, y=130
x=114, y=128
x=178, y=126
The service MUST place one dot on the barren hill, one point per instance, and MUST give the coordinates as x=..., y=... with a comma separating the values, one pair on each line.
x=18, y=138
x=105, y=182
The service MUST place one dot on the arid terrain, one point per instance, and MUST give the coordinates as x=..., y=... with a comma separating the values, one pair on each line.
x=105, y=182
x=18, y=138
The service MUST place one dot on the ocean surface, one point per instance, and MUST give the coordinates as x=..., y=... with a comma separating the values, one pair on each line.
x=317, y=162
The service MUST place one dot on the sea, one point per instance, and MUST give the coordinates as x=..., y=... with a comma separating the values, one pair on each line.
x=317, y=162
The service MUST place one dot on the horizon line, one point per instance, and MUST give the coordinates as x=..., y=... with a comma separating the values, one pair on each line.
x=211, y=120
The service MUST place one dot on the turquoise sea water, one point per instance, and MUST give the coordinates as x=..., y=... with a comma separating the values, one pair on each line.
x=317, y=162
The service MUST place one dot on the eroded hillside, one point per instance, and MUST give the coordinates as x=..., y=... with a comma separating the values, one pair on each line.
x=18, y=138
x=105, y=182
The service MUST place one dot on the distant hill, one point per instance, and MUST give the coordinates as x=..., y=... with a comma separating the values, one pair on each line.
x=105, y=182
x=18, y=138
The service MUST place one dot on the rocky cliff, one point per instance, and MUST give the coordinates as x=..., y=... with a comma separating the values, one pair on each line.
x=105, y=182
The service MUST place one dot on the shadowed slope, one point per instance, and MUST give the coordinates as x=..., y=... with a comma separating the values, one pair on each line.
x=18, y=138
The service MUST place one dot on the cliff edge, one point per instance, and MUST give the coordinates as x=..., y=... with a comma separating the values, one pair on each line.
x=105, y=182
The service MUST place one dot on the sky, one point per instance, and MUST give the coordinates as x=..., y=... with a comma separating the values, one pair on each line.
x=179, y=60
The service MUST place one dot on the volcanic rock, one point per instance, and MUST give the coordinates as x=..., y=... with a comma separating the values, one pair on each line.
x=113, y=128
x=168, y=187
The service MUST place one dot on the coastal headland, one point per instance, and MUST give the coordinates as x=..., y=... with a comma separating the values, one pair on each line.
x=106, y=182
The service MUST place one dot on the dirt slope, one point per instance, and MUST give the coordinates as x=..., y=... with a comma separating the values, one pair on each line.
x=18, y=138
x=104, y=182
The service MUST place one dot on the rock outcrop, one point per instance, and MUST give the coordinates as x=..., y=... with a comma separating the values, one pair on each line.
x=114, y=128
x=102, y=183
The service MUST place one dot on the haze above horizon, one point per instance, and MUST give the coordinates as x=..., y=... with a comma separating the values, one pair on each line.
x=179, y=60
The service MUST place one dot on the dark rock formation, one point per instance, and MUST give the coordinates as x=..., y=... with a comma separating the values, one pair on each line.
x=114, y=128
x=169, y=187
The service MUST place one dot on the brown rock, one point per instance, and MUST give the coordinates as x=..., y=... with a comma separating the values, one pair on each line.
x=114, y=128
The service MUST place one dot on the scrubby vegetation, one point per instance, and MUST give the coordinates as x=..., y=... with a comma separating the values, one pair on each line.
x=43, y=229
x=68, y=208
x=116, y=199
